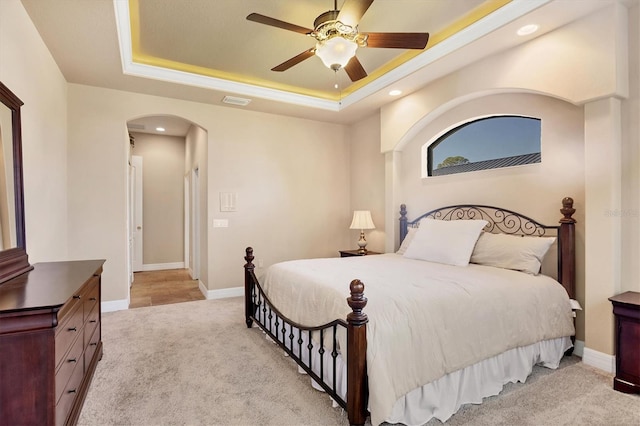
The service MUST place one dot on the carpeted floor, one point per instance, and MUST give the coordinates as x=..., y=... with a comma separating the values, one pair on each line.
x=196, y=363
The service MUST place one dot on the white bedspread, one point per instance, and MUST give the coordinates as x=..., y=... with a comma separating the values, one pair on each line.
x=425, y=319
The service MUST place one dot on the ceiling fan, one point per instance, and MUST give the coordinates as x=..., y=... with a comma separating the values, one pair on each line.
x=337, y=38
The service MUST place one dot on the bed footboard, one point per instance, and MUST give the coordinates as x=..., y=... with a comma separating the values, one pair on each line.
x=315, y=349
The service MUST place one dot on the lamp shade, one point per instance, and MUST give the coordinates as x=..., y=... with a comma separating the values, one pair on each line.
x=362, y=220
x=336, y=52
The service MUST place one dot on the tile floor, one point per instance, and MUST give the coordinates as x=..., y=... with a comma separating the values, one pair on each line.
x=163, y=287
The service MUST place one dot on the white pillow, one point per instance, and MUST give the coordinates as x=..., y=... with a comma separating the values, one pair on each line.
x=521, y=253
x=445, y=241
x=407, y=240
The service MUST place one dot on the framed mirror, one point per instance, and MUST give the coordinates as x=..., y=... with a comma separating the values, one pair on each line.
x=13, y=251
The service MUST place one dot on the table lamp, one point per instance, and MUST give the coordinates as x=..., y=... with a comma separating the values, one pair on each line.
x=362, y=220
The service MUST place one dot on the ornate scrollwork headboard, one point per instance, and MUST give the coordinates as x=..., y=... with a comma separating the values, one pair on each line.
x=506, y=221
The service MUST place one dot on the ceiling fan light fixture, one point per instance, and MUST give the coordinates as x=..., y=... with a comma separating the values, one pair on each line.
x=336, y=52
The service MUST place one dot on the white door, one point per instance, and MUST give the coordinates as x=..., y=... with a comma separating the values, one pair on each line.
x=130, y=222
x=136, y=226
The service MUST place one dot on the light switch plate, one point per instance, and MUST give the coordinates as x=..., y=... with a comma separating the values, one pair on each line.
x=228, y=201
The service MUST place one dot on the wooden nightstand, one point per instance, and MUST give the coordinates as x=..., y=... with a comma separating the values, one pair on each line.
x=626, y=308
x=349, y=253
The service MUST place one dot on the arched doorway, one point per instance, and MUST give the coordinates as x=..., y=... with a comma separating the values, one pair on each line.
x=164, y=212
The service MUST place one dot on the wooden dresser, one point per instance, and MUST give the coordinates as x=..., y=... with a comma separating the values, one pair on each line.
x=50, y=342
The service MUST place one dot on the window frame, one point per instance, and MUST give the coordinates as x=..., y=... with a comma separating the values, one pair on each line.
x=427, y=156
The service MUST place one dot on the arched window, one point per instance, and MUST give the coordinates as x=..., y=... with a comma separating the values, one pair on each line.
x=486, y=143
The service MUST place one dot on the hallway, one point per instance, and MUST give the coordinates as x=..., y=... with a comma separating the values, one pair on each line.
x=153, y=288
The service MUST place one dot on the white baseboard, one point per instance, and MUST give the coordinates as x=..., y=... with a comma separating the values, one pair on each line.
x=222, y=293
x=114, y=305
x=162, y=266
x=578, y=348
x=599, y=360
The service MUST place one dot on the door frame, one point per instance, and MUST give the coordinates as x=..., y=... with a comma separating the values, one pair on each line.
x=187, y=222
x=194, y=221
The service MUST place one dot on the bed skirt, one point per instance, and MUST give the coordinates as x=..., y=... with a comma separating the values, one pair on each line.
x=441, y=398
x=444, y=397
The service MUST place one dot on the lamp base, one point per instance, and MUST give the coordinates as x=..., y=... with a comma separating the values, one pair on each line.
x=362, y=243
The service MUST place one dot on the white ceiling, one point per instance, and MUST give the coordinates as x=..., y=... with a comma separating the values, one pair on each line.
x=204, y=50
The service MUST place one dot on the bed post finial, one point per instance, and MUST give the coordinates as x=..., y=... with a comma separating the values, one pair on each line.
x=249, y=280
x=357, y=355
x=357, y=302
x=567, y=210
x=566, y=252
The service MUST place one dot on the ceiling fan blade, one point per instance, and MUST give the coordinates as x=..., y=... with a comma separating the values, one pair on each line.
x=354, y=69
x=295, y=60
x=398, y=40
x=352, y=11
x=261, y=19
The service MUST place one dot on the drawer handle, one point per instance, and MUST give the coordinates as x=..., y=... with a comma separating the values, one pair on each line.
x=72, y=360
x=71, y=391
x=76, y=296
x=93, y=344
x=93, y=299
x=93, y=320
x=72, y=329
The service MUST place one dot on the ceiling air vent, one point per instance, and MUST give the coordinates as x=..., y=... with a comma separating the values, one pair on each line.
x=134, y=126
x=233, y=100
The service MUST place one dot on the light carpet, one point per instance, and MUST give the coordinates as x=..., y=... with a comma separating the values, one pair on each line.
x=196, y=363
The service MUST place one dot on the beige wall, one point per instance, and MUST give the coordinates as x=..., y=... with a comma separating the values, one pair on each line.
x=163, y=160
x=367, y=180
x=573, y=63
x=292, y=181
x=290, y=176
x=630, y=211
x=27, y=69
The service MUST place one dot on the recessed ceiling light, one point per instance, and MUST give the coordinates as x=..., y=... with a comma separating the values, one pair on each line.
x=160, y=129
x=527, y=29
x=395, y=92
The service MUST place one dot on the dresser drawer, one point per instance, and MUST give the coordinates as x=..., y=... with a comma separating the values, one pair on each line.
x=92, y=322
x=72, y=359
x=67, y=332
x=69, y=393
x=70, y=307
x=91, y=297
x=91, y=347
